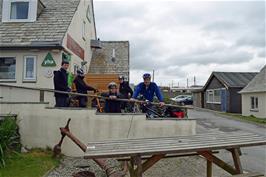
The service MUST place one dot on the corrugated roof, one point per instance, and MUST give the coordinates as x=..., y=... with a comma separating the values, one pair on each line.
x=51, y=25
x=235, y=79
x=257, y=84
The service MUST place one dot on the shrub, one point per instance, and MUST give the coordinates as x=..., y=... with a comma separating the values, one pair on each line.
x=9, y=138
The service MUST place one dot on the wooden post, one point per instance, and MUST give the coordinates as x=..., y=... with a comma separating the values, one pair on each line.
x=209, y=168
x=139, y=166
x=41, y=96
x=237, y=162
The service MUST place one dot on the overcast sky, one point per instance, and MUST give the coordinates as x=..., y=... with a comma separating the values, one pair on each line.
x=180, y=40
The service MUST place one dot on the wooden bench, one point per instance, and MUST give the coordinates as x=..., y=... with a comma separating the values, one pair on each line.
x=158, y=148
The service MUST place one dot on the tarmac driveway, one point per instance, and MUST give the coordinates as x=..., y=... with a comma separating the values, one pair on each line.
x=253, y=158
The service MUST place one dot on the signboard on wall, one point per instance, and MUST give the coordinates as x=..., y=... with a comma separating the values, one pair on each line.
x=66, y=57
x=75, y=47
x=48, y=60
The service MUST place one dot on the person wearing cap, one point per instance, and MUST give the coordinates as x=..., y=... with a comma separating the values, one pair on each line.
x=125, y=91
x=82, y=87
x=111, y=105
x=148, y=89
x=60, y=84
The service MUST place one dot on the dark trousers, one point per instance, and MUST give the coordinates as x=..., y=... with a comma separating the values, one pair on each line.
x=61, y=102
x=83, y=101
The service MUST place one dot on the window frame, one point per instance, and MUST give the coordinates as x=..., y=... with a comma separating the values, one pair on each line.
x=14, y=2
x=88, y=13
x=83, y=30
x=34, y=79
x=254, y=107
x=213, y=95
x=10, y=80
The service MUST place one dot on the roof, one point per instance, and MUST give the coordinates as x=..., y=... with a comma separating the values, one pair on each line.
x=257, y=84
x=232, y=79
x=103, y=63
x=48, y=30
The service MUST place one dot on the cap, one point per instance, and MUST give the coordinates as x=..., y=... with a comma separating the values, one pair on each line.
x=112, y=85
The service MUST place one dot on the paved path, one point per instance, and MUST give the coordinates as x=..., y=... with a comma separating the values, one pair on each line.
x=253, y=158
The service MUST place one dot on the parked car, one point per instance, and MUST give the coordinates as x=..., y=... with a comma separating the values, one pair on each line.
x=187, y=101
x=179, y=98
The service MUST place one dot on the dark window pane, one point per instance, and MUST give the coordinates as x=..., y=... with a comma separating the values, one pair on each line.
x=19, y=10
x=7, y=68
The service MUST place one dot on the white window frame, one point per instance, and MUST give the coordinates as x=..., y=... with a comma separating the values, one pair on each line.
x=88, y=13
x=34, y=79
x=10, y=80
x=256, y=103
x=208, y=99
x=32, y=12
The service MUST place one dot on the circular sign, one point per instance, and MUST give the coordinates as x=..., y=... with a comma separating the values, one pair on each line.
x=48, y=73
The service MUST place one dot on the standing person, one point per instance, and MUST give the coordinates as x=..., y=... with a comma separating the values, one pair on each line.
x=112, y=106
x=148, y=89
x=125, y=91
x=82, y=87
x=60, y=84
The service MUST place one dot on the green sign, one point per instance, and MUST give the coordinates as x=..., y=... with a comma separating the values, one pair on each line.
x=48, y=60
x=66, y=57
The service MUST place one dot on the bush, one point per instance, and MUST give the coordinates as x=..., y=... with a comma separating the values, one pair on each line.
x=9, y=138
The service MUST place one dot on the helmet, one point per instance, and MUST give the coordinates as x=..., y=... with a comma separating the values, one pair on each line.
x=121, y=77
x=111, y=85
x=146, y=75
x=80, y=72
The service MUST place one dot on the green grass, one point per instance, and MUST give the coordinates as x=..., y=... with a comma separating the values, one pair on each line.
x=33, y=164
x=261, y=121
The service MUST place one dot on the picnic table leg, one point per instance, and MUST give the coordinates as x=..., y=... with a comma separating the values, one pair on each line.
x=209, y=168
x=237, y=162
x=139, y=166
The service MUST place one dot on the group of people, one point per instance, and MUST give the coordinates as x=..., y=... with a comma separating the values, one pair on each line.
x=146, y=89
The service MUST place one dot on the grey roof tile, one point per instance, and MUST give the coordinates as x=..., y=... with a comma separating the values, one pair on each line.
x=51, y=25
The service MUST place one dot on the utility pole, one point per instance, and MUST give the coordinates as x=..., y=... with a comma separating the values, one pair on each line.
x=194, y=80
x=187, y=82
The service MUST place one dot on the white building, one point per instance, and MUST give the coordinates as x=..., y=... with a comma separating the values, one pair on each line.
x=36, y=35
x=254, y=96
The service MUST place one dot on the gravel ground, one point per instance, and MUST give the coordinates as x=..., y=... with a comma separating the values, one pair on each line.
x=172, y=167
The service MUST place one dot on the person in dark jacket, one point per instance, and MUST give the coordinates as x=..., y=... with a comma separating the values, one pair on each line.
x=112, y=106
x=60, y=84
x=82, y=87
x=125, y=91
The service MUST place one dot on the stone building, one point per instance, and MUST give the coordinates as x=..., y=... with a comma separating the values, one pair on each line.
x=112, y=58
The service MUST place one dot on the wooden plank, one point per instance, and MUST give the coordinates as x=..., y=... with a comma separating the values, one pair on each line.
x=209, y=168
x=237, y=162
x=151, y=161
x=218, y=162
x=176, y=147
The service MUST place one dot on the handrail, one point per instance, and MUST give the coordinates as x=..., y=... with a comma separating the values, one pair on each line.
x=93, y=96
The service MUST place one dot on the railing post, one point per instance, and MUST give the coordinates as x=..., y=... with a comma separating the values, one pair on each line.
x=41, y=96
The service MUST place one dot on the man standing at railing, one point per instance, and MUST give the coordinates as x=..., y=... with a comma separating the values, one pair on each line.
x=60, y=84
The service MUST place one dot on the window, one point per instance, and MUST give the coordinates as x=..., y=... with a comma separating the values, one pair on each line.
x=7, y=68
x=84, y=30
x=213, y=96
x=254, y=103
x=29, y=73
x=19, y=10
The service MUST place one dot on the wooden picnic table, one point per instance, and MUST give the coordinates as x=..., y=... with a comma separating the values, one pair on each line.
x=158, y=148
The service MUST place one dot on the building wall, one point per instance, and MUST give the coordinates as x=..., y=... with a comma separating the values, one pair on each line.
x=234, y=100
x=246, y=104
x=198, y=98
x=102, y=62
x=214, y=84
x=87, y=126
x=75, y=31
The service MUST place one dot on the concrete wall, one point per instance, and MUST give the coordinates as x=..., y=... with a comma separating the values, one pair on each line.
x=246, y=105
x=75, y=31
x=39, y=126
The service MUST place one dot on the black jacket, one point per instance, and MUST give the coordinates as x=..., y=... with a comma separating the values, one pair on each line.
x=81, y=86
x=124, y=89
x=112, y=106
x=60, y=82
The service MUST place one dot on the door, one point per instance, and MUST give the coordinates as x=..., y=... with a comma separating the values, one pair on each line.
x=223, y=100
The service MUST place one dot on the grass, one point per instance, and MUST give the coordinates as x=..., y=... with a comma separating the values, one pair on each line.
x=32, y=164
x=261, y=121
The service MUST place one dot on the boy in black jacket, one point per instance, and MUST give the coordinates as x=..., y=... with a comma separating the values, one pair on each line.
x=112, y=106
x=82, y=87
x=60, y=84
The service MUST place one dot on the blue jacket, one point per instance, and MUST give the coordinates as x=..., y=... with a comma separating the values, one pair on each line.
x=149, y=92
